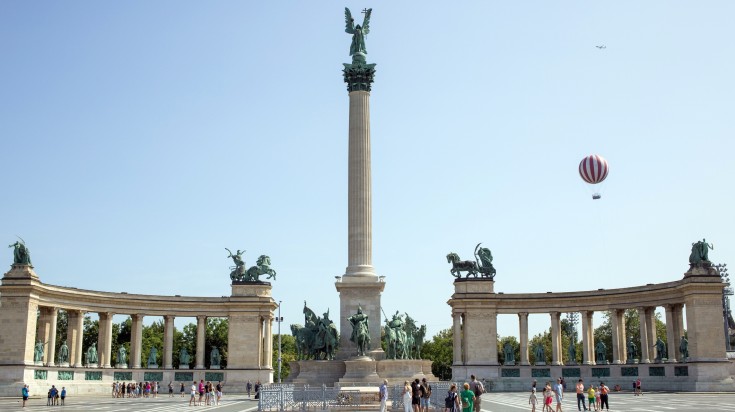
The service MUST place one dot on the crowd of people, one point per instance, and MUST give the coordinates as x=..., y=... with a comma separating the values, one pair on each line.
x=205, y=393
x=553, y=395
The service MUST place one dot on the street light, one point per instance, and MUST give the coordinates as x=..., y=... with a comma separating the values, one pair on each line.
x=279, y=319
x=726, y=291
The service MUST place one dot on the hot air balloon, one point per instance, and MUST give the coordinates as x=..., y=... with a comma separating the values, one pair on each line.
x=593, y=169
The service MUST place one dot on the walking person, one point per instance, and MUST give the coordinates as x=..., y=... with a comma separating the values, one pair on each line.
x=415, y=395
x=425, y=395
x=63, y=395
x=406, y=395
x=451, y=402
x=467, y=396
x=559, y=394
x=591, y=397
x=603, y=396
x=580, y=394
x=638, y=391
x=249, y=387
x=383, y=392
x=201, y=390
x=548, y=397
x=477, y=389
x=532, y=399
x=24, y=394
x=218, y=391
x=182, y=389
x=193, y=394
x=170, y=389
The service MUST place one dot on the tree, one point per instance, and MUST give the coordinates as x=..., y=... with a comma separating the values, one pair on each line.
x=91, y=334
x=288, y=355
x=152, y=337
x=501, y=348
x=217, y=330
x=439, y=350
x=61, y=330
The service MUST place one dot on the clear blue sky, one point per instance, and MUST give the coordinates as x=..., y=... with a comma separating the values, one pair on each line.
x=139, y=139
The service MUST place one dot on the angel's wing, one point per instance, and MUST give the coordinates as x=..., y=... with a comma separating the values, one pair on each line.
x=366, y=22
x=349, y=22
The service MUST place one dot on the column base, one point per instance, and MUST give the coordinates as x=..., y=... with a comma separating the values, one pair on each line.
x=184, y=367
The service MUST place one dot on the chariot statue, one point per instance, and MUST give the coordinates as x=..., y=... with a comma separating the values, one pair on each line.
x=239, y=274
x=482, y=265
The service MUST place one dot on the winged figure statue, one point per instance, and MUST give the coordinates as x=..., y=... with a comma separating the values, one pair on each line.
x=358, y=32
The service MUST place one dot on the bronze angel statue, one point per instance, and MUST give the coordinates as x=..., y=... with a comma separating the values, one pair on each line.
x=358, y=32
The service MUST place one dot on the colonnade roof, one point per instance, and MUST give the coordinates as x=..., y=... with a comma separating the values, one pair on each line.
x=479, y=293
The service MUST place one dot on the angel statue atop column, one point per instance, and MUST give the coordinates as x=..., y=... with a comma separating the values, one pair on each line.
x=358, y=32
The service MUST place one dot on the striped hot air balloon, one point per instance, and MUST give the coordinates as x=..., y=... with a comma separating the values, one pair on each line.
x=593, y=169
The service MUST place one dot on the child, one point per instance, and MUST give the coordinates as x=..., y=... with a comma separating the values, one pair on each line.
x=597, y=399
x=591, y=397
x=548, y=398
x=532, y=400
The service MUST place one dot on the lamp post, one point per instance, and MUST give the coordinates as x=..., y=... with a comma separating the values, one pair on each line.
x=279, y=319
x=726, y=291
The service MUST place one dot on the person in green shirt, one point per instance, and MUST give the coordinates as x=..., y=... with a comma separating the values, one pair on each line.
x=467, y=397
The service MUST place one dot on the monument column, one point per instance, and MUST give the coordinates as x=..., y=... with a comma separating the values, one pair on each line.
x=47, y=325
x=679, y=326
x=556, y=338
x=105, y=339
x=618, y=327
x=267, y=343
x=201, y=335
x=651, y=328
x=359, y=286
x=671, y=340
x=523, y=333
x=457, y=339
x=622, y=337
x=583, y=317
x=168, y=344
x=136, y=340
x=75, y=336
x=645, y=345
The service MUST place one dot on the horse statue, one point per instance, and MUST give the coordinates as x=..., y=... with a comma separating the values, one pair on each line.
x=395, y=338
x=263, y=268
x=301, y=341
x=320, y=336
x=410, y=328
x=419, y=340
x=459, y=266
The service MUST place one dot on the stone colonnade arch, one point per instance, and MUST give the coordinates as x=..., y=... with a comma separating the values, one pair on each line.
x=475, y=307
x=249, y=310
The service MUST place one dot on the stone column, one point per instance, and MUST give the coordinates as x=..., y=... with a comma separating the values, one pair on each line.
x=618, y=329
x=645, y=345
x=75, y=336
x=457, y=339
x=267, y=343
x=465, y=338
x=679, y=325
x=651, y=328
x=201, y=335
x=622, y=340
x=493, y=341
x=585, y=319
x=523, y=333
x=136, y=340
x=556, y=338
x=45, y=325
x=671, y=340
x=168, y=344
x=105, y=339
x=51, y=345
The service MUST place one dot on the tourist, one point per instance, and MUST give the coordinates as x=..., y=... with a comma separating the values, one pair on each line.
x=425, y=395
x=597, y=399
x=218, y=391
x=193, y=394
x=114, y=389
x=207, y=390
x=182, y=389
x=467, y=396
x=559, y=394
x=547, y=397
x=63, y=395
x=415, y=395
x=450, y=402
x=603, y=396
x=477, y=389
x=532, y=399
x=580, y=394
x=24, y=393
x=249, y=386
x=201, y=390
x=155, y=389
x=591, y=397
x=406, y=397
x=383, y=393
x=638, y=391
x=170, y=389
x=257, y=390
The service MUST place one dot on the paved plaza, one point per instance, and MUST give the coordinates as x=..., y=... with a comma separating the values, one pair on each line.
x=494, y=402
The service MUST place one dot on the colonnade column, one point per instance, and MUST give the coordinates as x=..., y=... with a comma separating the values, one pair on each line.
x=465, y=338
x=584, y=318
x=75, y=336
x=201, y=335
x=493, y=342
x=267, y=343
x=168, y=341
x=44, y=332
x=671, y=339
x=457, y=339
x=556, y=338
x=622, y=337
x=617, y=317
x=51, y=352
x=104, y=341
x=523, y=332
x=645, y=346
x=651, y=327
x=679, y=325
x=136, y=340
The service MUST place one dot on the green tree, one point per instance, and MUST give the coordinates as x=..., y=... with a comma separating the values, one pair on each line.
x=189, y=341
x=62, y=323
x=91, y=334
x=501, y=348
x=217, y=331
x=152, y=337
x=439, y=350
x=288, y=355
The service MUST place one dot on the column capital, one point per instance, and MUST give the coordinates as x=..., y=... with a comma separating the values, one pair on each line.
x=169, y=317
x=201, y=318
x=359, y=76
x=523, y=314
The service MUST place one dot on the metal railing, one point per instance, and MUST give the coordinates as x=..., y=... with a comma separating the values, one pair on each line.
x=287, y=397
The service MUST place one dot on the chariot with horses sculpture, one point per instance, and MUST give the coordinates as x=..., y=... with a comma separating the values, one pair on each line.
x=482, y=265
x=239, y=274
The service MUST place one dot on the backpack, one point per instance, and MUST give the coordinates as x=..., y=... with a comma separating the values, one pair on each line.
x=479, y=389
x=427, y=391
x=449, y=400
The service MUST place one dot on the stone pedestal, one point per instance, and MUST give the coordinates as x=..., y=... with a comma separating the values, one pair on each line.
x=183, y=367
x=364, y=292
x=316, y=373
x=249, y=318
x=360, y=370
x=215, y=367
x=122, y=366
x=38, y=363
x=398, y=370
x=91, y=365
x=64, y=365
x=152, y=366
